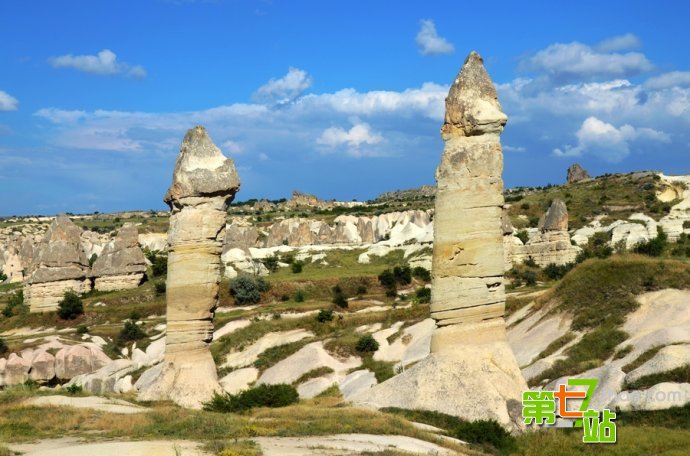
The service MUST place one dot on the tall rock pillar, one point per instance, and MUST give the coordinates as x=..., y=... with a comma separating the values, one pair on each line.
x=204, y=183
x=471, y=371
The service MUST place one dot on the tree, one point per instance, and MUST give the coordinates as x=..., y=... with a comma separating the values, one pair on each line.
x=248, y=289
x=297, y=267
x=367, y=344
x=70, y=307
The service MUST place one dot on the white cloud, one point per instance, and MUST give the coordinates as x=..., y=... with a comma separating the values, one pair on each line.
x=231, y=147
x=285, y=89
x=104, y=63
x=429, y=42
x=564, y=63
x=669, y=80
x=60, y=116
x=619, y=43
x=509, y=148
x=8, y=102
x=608, y=142
x=360, y=133
x=263, y=157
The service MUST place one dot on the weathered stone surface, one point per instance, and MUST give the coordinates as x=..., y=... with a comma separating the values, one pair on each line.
x=204, y=183
x=121, y=265
x=576, y=173
x=16, y=369
x=551, y=244
x=42, y=367
x=79, y=359
x=61, y=265
x=471, y=372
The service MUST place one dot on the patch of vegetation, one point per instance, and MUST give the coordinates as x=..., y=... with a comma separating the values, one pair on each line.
x=82, y=329
x=556, y=345
x=674, y=417
x=159, y=262
x=382, y=370
x=275, y=354
x=280, y=395
x=324, y=315
x=3, y=346
x=70, y=307
x=422, y=274
x=640, y=360
x=523, y=235
x=130, y=332
x=160, y=288
x=556, y=272
x=339, y=298
x=297, y=267
x=623, y=352
x=15, y=305
x=314, y=373
x=597, y=247
x=247, y=289
x=367, y=344
x=678, y=375
x=271, y=263
x=423, y=295
x=592, y=350
x=486, y=433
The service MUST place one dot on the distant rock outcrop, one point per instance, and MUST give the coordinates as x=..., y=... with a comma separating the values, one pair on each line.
x=204, y=183
x=300, y=199
x=121, y=265
x=576, y=173
x=551, y=243
x=60, y=265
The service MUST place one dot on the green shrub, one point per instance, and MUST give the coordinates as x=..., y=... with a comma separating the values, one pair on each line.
x=361, y=290
x=93, y=259
x=530, y=262
x=402, y=274
x=555, y=272
x=299, y=296
x=73, y=389
x=15, y=304
x=159, y=263
x=3, y=347
x=530, y=277
x=261, y=396
x=271, y=263
x=339, y=298
x=367, y=344
x=597, y=247
x=160, y=288
x=422, y=274
x=523, y=236
x=486, y=432
x=678, y=375
x=130, y=332
x=324, y=315
x=653, y=247
x=387, y=281
x=248, y=289
x=82, y=329
x=297, y=267
x=423, y=295
x=3, y=276
x=284, y=298
x=70, y=307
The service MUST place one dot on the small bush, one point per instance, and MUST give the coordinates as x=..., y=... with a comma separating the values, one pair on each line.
x=299, y=296
x=339, y=298
x=402, y=274
x=367, y=344
x=130, y=332
x=387, y=281
x=422, y=274
x=653, y=247
x=361, y=290
x=93, y=259
x=160, y=288
x=285, y=298
x=486, y=432
x=3, y=347
x=555, y=272
x=70, y=307
x=159, y=264
x=15, y=301
x=423, y=295
x=271, y=263
x=248, y=289
x=73, y=389
x=261, y=396
x=82, y=329
x=324, y=315
x=530, y=262
x=523, y=236
x=530, y=277
x=297, y=267
x=3, y=276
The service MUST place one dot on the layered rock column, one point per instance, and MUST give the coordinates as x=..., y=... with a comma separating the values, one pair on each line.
x=471, y=371
x=61, y=265
x=204, y=183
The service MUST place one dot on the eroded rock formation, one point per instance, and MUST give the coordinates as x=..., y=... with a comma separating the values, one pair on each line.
x=121, y=265
x=204, y=183
x=576, y=173
x=551, y=243
x=60, y=265
x=471, y=372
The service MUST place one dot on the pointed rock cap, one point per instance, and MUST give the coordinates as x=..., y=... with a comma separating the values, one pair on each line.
x=472, y=106
x=556, y=218
x=202, y=170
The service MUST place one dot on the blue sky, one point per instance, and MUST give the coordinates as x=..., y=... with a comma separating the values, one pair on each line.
x=340, y=99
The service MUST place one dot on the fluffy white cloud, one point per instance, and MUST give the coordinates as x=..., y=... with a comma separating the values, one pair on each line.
x=231, y=147
x=562, y=63
x=669, y=80
x=606, y=141
x=619, y=43
x=285, y=89
x=429, y=42
x=104, y=63
x=8, y=102
x=360, y=133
